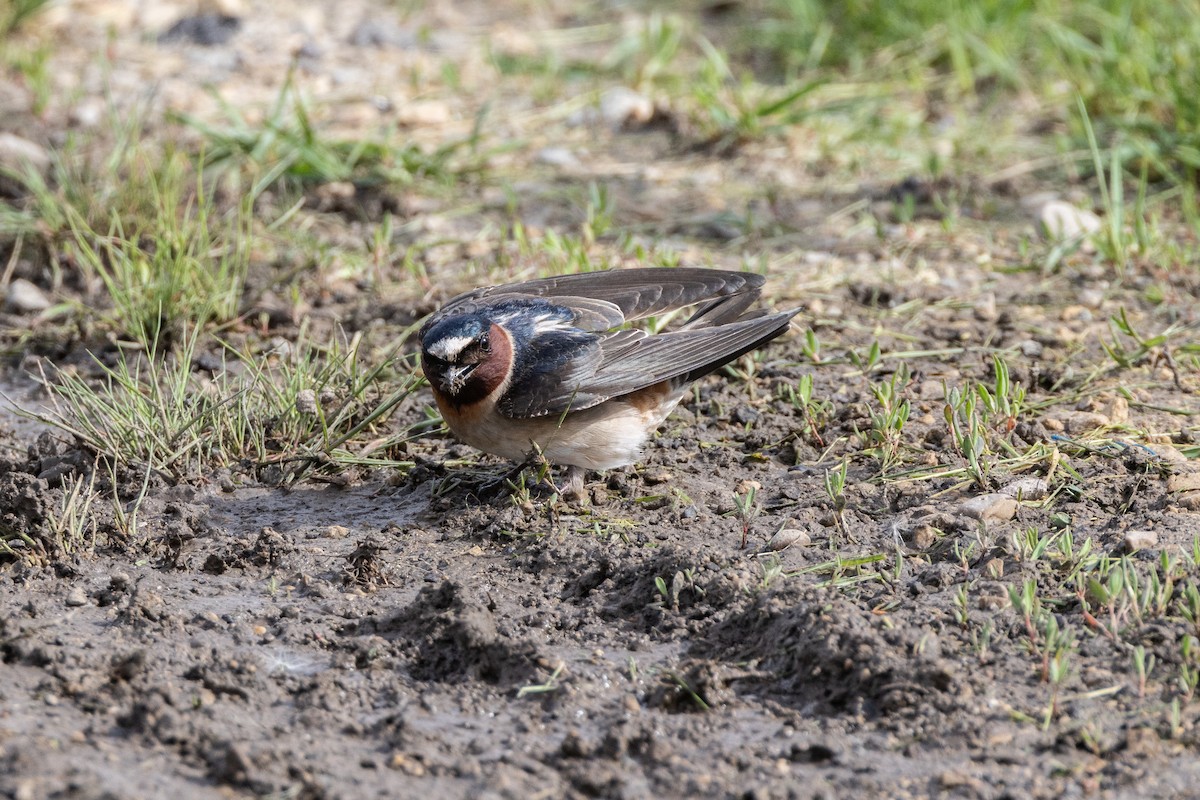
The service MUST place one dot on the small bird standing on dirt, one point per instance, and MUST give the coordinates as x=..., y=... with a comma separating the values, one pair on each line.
x=546, y=366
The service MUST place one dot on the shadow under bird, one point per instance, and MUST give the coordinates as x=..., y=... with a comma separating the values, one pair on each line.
x=550, y=366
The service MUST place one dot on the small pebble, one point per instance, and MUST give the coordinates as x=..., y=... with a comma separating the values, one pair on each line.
x=654, y=477
x=1116, y=408
x=991, y=506
x=788, y=537
x=1092, y=298
x=1063, y=335
x=1062, y=221
x=88, y=113
x=1027, y=489
x=16, y=153
x=407, y=765
x=620, y=106
x=1184, y=482
x=747, y=485
x=557, y=157
x=424, y=113
x=985, y=308
x=923, y=536
x=1140, y=540
x=1078, y=422
x=1031, y=348
x=1076, y=313
x=76, y=598
x=26, y=298
x=745, y=415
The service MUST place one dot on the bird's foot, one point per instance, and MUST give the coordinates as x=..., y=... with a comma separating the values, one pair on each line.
x=572, y=488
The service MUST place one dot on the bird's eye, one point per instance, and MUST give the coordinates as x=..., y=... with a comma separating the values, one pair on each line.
x=484, y=344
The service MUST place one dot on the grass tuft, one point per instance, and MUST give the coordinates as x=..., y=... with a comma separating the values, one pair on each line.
x=288, y=148
x=314, y=407
x=1135, y=63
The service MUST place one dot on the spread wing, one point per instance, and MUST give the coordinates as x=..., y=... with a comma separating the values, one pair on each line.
x=625, y=361
x=607, y=299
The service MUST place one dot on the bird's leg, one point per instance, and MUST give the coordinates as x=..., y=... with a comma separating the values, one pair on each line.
x=572, y=488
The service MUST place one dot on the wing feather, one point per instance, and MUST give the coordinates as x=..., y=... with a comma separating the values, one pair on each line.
x=631, y=360
x=685, y=354
x=632, y=293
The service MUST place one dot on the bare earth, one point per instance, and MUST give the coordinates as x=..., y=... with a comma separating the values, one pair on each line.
x=409, y=635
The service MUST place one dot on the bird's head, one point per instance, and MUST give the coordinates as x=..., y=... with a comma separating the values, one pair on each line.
x=465, y=357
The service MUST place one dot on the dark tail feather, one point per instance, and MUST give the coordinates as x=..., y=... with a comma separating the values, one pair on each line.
x=773, y=326
x=722, y=310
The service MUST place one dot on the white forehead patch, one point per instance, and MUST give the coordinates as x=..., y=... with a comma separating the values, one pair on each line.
x=449, y=348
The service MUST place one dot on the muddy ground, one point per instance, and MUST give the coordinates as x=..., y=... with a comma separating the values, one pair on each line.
x=407, y=634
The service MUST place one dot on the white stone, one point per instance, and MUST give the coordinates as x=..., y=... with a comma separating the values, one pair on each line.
x=1027, y=489
x=1062, y=221
x=1140, y=540
x=993, y=506
x=787, y=537
x=26, y=298
x=557, y=157
x=620, y=106
x=16, y=153
x=1092, y=298
x=422, y=113
x=88, y=113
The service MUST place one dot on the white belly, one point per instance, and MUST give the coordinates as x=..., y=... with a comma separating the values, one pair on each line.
x=608, y=435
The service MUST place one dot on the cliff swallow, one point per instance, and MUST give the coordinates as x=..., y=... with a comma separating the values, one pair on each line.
x=551, y=366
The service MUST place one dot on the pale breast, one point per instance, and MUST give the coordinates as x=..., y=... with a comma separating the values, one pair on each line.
x=602, y=437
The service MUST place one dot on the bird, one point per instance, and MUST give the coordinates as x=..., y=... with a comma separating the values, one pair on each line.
x=551, y=367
